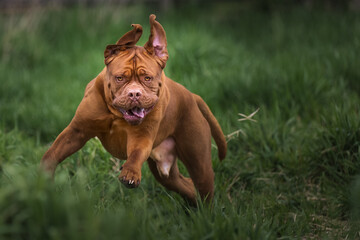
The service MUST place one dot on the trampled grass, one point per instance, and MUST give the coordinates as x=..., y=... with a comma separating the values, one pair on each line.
x=294, y=173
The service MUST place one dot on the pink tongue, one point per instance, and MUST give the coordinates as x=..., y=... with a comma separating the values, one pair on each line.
x=139, y=112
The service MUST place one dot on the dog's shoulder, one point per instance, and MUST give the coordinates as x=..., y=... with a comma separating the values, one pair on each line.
x=180, y=92
x=93, y=108
x=96, y=86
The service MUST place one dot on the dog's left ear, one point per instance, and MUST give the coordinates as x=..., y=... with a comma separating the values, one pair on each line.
x=157, y=44
x=127, y=41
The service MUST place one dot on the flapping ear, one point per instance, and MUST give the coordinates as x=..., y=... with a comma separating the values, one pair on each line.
x=157, y=44
x=111, y=51
x=132, y=37
x=128, y=40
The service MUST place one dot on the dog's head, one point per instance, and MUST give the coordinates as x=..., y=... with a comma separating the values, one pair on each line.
x=134, y=74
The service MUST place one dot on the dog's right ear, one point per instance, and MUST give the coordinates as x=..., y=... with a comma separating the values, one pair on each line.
x=132, y=37
x=127, y=41
x=110, y=52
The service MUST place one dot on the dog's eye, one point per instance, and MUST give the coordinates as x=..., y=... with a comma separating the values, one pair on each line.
x=119, y=79
x=147, y=78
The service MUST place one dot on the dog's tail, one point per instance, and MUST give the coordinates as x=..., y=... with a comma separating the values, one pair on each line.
x=216, y=131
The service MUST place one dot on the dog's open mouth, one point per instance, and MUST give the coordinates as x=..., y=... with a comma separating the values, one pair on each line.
x=135, y=115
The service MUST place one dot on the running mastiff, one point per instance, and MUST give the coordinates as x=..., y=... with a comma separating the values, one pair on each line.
x=141, y=115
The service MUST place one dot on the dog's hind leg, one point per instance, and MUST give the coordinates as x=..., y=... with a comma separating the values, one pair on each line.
x=202, y=174
x=175, y=181
x=162, y=163
x=193, y=146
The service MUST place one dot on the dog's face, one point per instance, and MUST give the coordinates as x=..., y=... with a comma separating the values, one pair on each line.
x=134, y=73
x=134, y=80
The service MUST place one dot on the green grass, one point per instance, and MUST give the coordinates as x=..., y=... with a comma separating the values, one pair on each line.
x=295, y=173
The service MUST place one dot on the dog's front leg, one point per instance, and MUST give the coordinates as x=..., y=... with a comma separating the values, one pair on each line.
x=70, y=140
x=138, y=152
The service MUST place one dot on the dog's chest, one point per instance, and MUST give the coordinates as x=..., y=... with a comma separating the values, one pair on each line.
x=115, y=140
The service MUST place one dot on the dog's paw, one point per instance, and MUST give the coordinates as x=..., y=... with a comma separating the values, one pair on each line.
x=129, y=177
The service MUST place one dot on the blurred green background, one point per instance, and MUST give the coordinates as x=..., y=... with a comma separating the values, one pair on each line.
x=294, y=173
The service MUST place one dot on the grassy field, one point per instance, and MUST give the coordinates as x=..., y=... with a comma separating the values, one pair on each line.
x=292, y=174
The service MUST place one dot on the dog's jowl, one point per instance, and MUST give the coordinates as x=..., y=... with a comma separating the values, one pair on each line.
x=141, y=115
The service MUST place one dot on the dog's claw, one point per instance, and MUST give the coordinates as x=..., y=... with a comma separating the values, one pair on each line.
x=129, y=178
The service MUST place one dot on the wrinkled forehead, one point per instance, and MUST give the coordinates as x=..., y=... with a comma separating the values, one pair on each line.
x=135, y=60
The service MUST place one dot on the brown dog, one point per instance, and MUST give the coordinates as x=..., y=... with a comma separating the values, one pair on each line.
x=139, y=114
